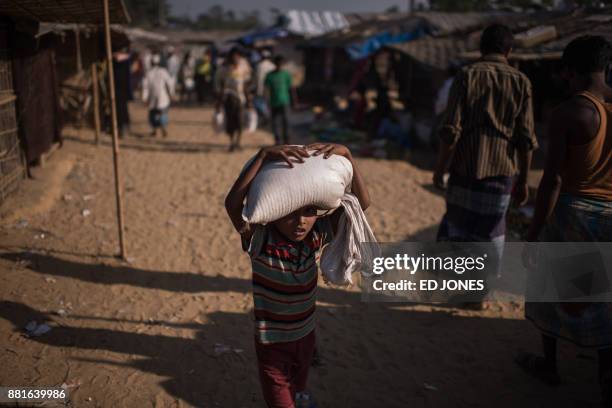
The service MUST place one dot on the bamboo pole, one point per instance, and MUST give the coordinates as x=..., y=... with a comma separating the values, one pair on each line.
x=79, y=67
x=111, y=86
x=96, y=101
x=79, y=58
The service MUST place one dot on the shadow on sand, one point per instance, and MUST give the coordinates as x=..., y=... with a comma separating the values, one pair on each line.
x=144, y=142
x=388, y=350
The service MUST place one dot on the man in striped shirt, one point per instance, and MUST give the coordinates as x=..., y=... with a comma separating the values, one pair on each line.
x=284, y=259
x=487, y=138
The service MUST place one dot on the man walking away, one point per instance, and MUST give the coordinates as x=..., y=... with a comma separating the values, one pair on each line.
x=157, y=91
x=233, y=80
x=121, y=68
x=574, y=204
x=487, y=138
x=173, y=64
x=264, y=67
x=280, y=93
x=203, y=77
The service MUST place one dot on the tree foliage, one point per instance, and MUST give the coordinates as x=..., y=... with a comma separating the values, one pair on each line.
x=153, y=13
x=218, y=18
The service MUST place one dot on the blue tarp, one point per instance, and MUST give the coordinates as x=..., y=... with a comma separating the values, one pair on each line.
x=374, y=43
x=262, y=35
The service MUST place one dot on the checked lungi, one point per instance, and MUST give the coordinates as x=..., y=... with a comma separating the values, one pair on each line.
x=576, y=219
x=476, y=212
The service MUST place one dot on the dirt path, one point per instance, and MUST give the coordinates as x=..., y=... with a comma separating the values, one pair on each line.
x=173, y=326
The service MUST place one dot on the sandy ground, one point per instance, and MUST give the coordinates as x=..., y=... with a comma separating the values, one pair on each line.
x=172, y=327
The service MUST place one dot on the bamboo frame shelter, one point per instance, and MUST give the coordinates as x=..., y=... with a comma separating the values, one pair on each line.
x=66, y=11
x=99, y=12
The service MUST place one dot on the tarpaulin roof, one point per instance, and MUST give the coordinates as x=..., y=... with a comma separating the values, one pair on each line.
x=372, y=44
x=262, y=35
x=65, y=11
x=363, y=39
x=313, y=23
x=300, y=23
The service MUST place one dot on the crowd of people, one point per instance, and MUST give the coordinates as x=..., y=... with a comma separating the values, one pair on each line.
x=487, y=139
x=236, y=82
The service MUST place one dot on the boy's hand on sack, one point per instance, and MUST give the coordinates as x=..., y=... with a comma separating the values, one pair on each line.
x=284, y=153
x=327, y=149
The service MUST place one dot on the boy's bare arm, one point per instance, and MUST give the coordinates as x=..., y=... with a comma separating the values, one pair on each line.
x=234, y=201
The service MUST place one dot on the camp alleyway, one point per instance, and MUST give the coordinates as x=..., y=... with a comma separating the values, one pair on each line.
x=171, y=327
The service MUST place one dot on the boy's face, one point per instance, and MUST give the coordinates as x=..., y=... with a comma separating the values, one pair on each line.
x=298, y=224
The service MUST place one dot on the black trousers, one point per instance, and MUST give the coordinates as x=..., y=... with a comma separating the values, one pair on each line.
x=280, y=124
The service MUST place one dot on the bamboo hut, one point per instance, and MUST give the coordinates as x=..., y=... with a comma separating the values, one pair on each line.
x=24, y=16
x=11, y=164
x=539, y=49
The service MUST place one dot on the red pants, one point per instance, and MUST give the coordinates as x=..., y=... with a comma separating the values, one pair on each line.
x=283, y=369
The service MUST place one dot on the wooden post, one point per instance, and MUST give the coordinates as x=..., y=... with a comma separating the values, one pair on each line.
x=79, y=58
x=79, y=67
x=96, y=100
x=111, y=86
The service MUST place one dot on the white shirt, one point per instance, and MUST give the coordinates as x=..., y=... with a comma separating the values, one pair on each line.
x=263, y=68
x=146, y=61
x=232, y=80
x=157, y=88
x=174, y=65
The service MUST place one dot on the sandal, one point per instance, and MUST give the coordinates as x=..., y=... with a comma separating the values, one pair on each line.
x=537, y=367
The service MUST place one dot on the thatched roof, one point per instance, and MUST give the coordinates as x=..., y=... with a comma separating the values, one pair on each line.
x=455, y=35
x=65, y=11
x=437, y=52
x=567, y=28
x=431, y=23
x=443, y=23
x=596, y=24
x=365, y=29
x=195, y=37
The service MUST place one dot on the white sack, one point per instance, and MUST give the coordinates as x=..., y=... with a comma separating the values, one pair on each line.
x=219, y=122
x=279, y=190
x=344, y=255
x=251, y=120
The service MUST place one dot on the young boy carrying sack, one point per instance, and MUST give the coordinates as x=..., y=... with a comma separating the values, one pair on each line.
x=284, y=257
